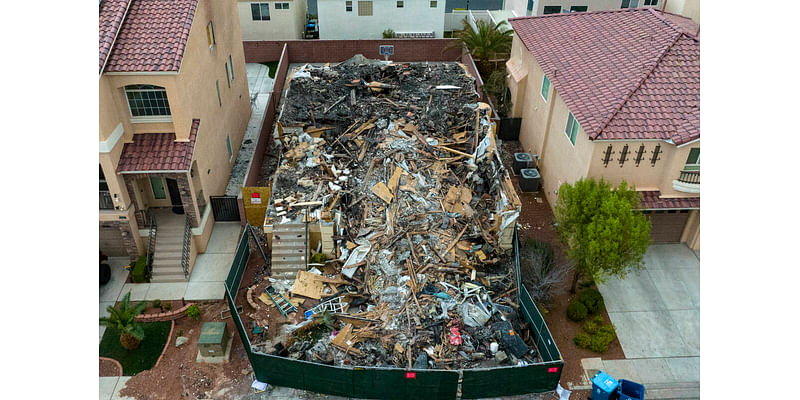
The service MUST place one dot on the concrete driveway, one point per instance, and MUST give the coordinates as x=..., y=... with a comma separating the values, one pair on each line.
x=656, y=314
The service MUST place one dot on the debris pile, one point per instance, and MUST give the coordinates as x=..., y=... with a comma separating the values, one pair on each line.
x=401, y=161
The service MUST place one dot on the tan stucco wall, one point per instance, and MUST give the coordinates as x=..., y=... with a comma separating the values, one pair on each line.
x=594, y=5
x=283, y=24
x=687, y=8
x=192, y=94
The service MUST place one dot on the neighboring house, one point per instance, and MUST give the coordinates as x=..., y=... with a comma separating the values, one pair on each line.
x=360, y=19
x=687, y=8
x=174, y=107
x=272, y=20
x=596, y=100
x=544, y=7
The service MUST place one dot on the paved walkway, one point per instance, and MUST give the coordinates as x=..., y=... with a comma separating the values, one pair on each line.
x=656, y=314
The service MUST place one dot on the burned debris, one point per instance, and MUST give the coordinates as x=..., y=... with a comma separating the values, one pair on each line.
x=390, y=222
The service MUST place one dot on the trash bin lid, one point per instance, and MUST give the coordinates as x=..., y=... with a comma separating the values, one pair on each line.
x=605, y=382
x=522, y=157
x=529, y=173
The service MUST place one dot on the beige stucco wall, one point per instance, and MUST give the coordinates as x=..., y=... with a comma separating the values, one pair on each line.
x=283, y=24
x=594, y=5
x=687, y=8
x=192, y=94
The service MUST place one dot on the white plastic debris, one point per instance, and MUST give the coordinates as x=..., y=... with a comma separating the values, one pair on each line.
x=494, y=347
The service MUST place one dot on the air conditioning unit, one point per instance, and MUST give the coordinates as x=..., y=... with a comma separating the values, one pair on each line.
x=529, y=180
x=521, y=160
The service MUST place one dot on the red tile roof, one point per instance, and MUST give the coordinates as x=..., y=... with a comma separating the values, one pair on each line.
x=112, y=12
x=624, y=74
x=158, y=152
x=153, y=36
x=651, y=199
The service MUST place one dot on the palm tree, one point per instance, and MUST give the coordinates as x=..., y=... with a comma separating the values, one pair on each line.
x=123, y=319
x=487, y=42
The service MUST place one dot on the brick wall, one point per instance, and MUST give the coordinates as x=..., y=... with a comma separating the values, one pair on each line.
x=183, y=187
x=126, y=233
x=340, y=50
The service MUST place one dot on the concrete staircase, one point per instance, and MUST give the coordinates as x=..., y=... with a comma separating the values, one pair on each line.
x=167, y=255
x=289, y=243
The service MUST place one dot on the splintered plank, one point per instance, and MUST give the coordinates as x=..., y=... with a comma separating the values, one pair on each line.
x=381, y=190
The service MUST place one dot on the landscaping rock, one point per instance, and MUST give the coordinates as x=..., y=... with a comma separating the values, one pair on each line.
x=180, y=340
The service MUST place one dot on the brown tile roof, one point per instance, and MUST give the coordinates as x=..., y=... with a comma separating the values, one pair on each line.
x=158, y=152
x=112, y=12
x=153, y=36
x=651, y=199
x=624, y=74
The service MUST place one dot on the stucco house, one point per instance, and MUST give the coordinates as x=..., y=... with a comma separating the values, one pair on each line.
x=614, y=94
x=174, y=107
x=272, y=20
x=545, y=7
x=368, y=19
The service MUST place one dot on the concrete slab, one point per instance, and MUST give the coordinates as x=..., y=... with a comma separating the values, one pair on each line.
x=651, y=370
x=688, y=324
x=670, y=256
x=104, y=308
x=649, y=334
x=110, y=291
x=107, y=385
x=197, y=291
x=621, y=369
x=684, y=369
x=224, y=237
x=166, y=291
x=691, y=281
x=138, y=291
x=123, y=380
x=671, y=288
x=211, y=267
x=634, y=293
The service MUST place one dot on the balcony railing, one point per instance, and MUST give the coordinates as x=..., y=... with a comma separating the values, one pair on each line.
x=692, y=177
x=106, y=202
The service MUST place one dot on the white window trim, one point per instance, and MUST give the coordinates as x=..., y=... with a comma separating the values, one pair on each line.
x=147, y=118
x=567, y=134
x=544, y=76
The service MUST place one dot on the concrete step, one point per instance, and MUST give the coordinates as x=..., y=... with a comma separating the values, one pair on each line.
x=168, y=270
x=276, y=269
x=283, y=260
x=288, y=227
x=175, y=254
x=164, y=239
x=170, y=230
x=288, y=251
x=290, y=275
x=292, y=236
x=168, y=278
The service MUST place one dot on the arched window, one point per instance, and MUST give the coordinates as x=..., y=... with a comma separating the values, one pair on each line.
x=147, y=100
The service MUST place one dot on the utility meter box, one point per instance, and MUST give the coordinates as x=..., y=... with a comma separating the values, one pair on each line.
x=213, y=339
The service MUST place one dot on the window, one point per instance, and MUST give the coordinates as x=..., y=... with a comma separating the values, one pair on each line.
x=399, y=3
x=219, y=96
x=103, y=183
x=629, y=4
x=530, y=7
x=147, y=100
x=578, y=8
x=434, y=4
x=157, y=183
x=228, y=75
x=260, y=11
x=210, y=35
x=572, y=128
x=651, y=2
x=693, y=161
x=365, y=8
x=545, y=87
x=230, y=65
x=281, y=6
x=230, y=149
x=552, y=10
x=348, y=6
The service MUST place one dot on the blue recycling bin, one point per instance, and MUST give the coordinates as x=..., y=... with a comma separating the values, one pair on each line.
x=604, y=387
x=630, y=390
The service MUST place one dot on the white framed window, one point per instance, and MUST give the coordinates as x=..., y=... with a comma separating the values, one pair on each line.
x=260, y=11
x=434, y=3
x=572, y=128
x=219, y=95
x=281, y=6
x=693, y=161
x=230, y=148
x=228, y=75
x=399, y=3
x=651, y=2
x=210, y=35
x=230, y=66
x=629, y=4
x=348, y=6
x=365, y=8
x=148, y=102
x=545, y=87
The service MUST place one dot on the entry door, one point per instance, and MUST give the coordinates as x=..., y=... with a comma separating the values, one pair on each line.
x=174, y=196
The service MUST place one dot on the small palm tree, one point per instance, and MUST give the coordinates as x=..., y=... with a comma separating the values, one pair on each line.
x=486, y=42
x=123, y=319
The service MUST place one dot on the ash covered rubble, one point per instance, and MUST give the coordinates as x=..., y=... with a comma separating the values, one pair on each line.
x=401, y=160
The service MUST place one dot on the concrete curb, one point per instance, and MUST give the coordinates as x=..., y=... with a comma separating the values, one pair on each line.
x=164, y=316
x=115, y=362
x=166, y=345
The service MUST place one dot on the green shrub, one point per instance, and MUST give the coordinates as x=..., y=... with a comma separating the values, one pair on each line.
x=193, y=312
x=139, y=270
x=602, y=338
x=592, y=299
x=590, y=327
x=166, y=306
x=576, y=311
x=388, y=34
x=582, y=340
x=156, y=303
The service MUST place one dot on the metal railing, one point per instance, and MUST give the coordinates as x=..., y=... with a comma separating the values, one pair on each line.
x=106, y=202
x=689, y=177
x=151, y=241
x=187, y=246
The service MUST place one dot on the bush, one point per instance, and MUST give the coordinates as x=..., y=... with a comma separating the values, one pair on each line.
x=193, y=312
x=166, y=306
x=156, y=303
x=576, y=311
x=590, y=327
x=582, y=340
x=139, y=270
x=388, y=34
x=602, y=338
x=592, y=299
